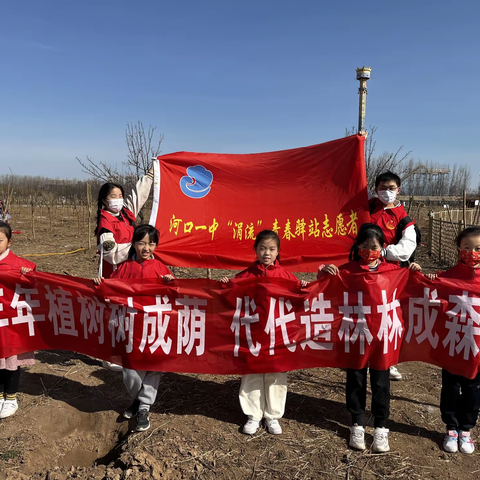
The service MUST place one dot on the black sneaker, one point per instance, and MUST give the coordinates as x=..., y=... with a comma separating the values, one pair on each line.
x=132, y=410
x=143, y=421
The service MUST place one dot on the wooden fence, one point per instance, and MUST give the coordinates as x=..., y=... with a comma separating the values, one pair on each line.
x=472, y=215
x=443, y=229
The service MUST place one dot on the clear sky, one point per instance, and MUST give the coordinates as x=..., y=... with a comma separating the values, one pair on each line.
x=234, y=76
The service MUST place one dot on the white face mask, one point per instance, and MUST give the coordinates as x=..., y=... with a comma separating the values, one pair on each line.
x=115, y=205
x=387, y=196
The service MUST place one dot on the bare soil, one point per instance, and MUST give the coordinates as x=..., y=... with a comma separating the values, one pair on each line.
x=69, y=423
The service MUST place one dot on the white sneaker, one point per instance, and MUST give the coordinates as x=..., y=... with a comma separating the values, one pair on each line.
x=357, y=437
x=112, y=366
x=2, y=401
x=465, y=443
x=395, y=374
x=450, y=441
x=9, y=408
x=273, y=426
x=251, y=427
x=380, y=440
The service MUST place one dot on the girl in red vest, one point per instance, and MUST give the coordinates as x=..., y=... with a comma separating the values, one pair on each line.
x=460, y=396
x=264, y=395
x=141, y=384
x=116, y=221
x=10, y=366
x=365, y=257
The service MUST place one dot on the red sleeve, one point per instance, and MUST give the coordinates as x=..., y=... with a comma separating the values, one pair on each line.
x=20, y=262
x=244, y=274
x=27, y=264
x=120, y=272
x=291, y=276
x=350, y=267
x=450, y=273
x=162, y=269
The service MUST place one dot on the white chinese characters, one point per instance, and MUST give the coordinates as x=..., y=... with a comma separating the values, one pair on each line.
x=464, y=320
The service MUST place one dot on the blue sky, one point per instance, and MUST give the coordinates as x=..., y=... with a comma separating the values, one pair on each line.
x=236, y=77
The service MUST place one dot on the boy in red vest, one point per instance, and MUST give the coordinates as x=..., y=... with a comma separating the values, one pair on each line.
x=388, y=213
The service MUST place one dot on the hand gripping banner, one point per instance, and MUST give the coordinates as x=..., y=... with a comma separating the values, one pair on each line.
x=209, y=207
x=256, y=325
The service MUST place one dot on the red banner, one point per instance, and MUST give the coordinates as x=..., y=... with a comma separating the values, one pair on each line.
x=252, y=326
x=212, y=206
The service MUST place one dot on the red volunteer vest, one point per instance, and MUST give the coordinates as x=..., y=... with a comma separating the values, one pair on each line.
x=387, y=219
x=120, y=227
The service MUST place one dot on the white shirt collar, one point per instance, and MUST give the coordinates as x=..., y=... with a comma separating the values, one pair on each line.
x=4, y=254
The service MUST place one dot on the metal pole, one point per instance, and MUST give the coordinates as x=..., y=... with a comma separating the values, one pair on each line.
x=363, y=75
x=362, y=105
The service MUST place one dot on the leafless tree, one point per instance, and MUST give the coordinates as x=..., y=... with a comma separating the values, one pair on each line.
x=142, y=145
x=19, y=189
x=460, y=180
x=394, y=161
x=101, y=171
x=431, y=178
x=7, y=194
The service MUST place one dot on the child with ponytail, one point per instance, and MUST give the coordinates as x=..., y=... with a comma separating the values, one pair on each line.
x=365, y=257
x=264, y=395
x=141, y=384
x=116, y=221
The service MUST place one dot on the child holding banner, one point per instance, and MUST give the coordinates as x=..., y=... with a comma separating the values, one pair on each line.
x=365, y=256
x=398, y=228
x=10, y=366
x=460, y=396
x=141, y=384
x=116, y=221
x=264, y=395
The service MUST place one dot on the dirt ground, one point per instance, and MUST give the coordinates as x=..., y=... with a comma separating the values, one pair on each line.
x=69, y=423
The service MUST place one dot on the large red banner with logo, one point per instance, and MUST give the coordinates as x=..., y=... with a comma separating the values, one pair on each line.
x=253, y=325
x=211, y=206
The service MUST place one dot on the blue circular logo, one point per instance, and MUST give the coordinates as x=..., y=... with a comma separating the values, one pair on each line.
x=197, y=183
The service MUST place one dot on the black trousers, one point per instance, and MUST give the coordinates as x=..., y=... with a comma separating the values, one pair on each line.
x=356, y=395
x=459, y=401
x=9, y=381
